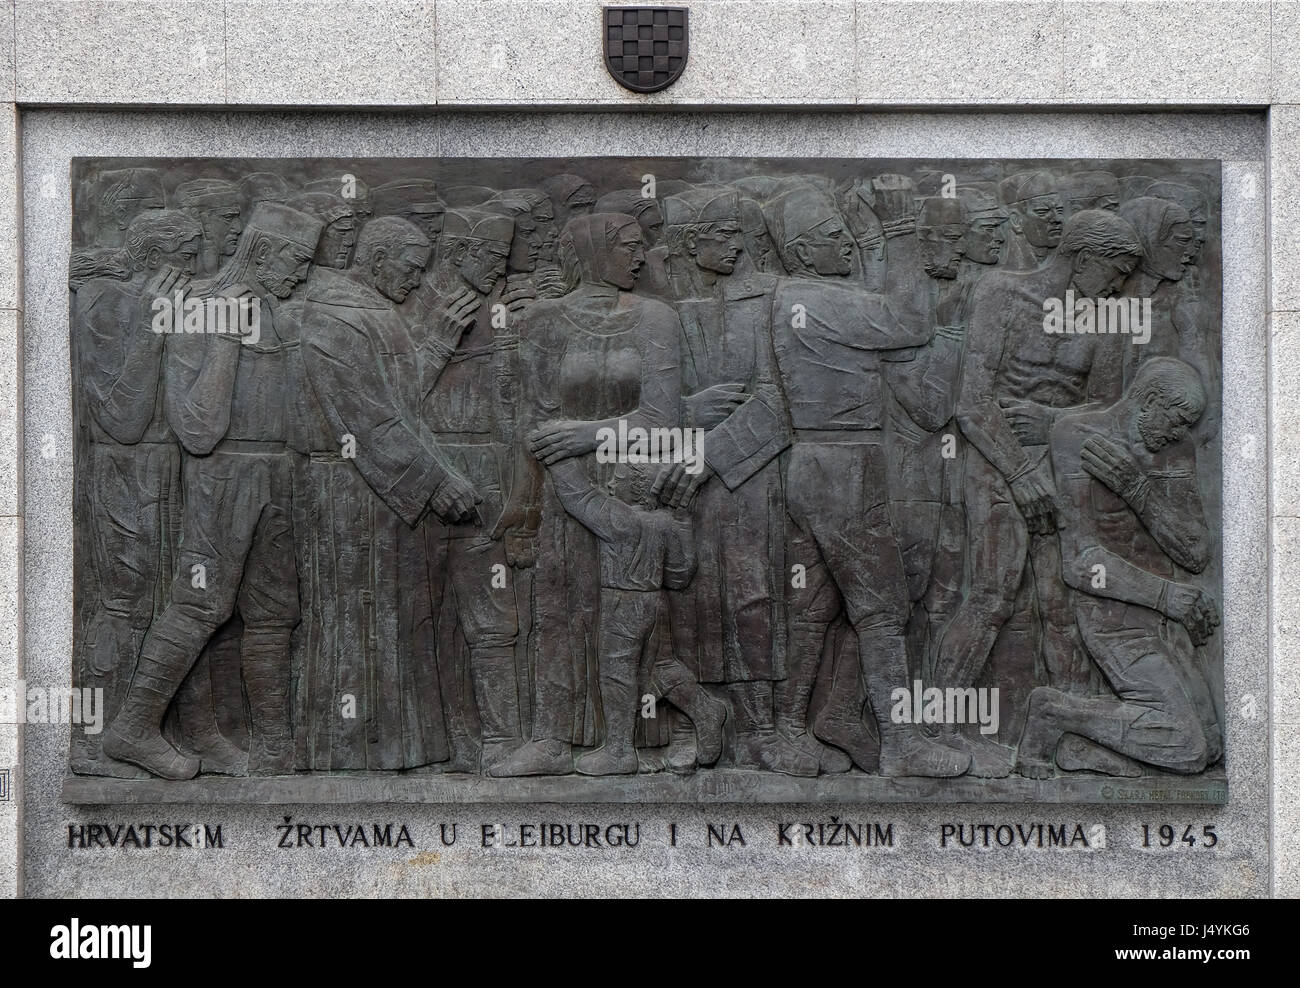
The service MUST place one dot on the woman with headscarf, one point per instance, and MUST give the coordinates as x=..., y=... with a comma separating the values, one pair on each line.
x=572, y=195
x=1168, y=239
x=598, y=355
x=653, y=279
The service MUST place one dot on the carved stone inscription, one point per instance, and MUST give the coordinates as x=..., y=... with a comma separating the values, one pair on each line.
x=748, y=470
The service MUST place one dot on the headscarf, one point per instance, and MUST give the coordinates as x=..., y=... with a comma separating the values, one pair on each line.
x=1152, y=219
x=585, y=243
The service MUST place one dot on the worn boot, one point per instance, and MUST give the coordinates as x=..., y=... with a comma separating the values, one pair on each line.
x=793, y=696
x=496, y=695
x=198, y=725
x=617, y=756
x=758, y=745
x=135, y=735
x=904, y=749
x=266, y=681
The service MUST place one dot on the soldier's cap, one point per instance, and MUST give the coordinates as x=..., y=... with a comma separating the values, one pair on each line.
x=981, y=201
x=263, y=187
x=334, y=186
x=407, y=195
x=939, y=211
x=629, y=201
x=1192, y=199
x=478, y=224
x=287, y=223
x=1089, y=185
x=702, y=205
x=207, y=192
x=134, y=183
x=1027, y=185
x=798, y=211
x=325, y=207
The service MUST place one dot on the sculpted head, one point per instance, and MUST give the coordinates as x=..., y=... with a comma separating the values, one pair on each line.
x=1089, y=190
x=1035, y=209
x=392, y=254
x=415, y=200
x=810, y=234
x=217, y=205
x=163, y=237
x=275, y=250
x=704, y=227
x=1193, y=200
x=603, y=249
x=1167, y=399
x=941, y=227
x=572, y=196
x=477, y=243
x=645, y=208
x=124, y=194
x=534, y=220
x=1167, y=234
x=986, y=231
x=1103, y=250
x=339, y=235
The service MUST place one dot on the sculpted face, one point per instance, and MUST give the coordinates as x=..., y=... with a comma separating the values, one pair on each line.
x=985, y=239
x=336, y=242
x=184, y=258
x=1042, y=219
x=652, y=223
x=484, y=263
x=525, y=248
x=581, y=200
x=280, y=269
x=1171, y=257
x=942, y=248
x=828, y=250
x=548, y=233
x=397, y=272
x=1160, y=424
x=222, y=227
x=624, y=257
x=719, y=249
x=429, y=223
x=1099, y=276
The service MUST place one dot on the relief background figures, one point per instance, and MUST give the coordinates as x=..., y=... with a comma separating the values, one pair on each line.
x=467, y=589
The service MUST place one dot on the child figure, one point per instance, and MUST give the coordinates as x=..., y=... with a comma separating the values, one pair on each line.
x=644, y=548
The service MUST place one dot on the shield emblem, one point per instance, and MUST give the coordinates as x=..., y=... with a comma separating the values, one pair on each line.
x=645, y=47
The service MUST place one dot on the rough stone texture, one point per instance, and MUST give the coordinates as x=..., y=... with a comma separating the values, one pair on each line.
x=88, y=51
x=252, y=864
x=1284, y=208
x=1286, y=51
x=1190, y=52
x=10, y=635
x=339, y=52
x=9, y=207
x=1003, y=52
x=10, y=414
x=1286, y=797
x=741, y=51
x=7, y=51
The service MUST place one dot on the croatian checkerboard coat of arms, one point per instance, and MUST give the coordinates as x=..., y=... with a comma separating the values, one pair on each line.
x=646, y=47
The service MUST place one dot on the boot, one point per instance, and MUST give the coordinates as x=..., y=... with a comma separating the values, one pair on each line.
x=683, y=755
x=758, y=745
x=989, y=760
x=198, y=725
x=497, y=698
x=266, y=680
x=548, y=756
x=707, y=714
x=617, y=756
x=794, y=694
x=135, y=735
x=904, y=750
